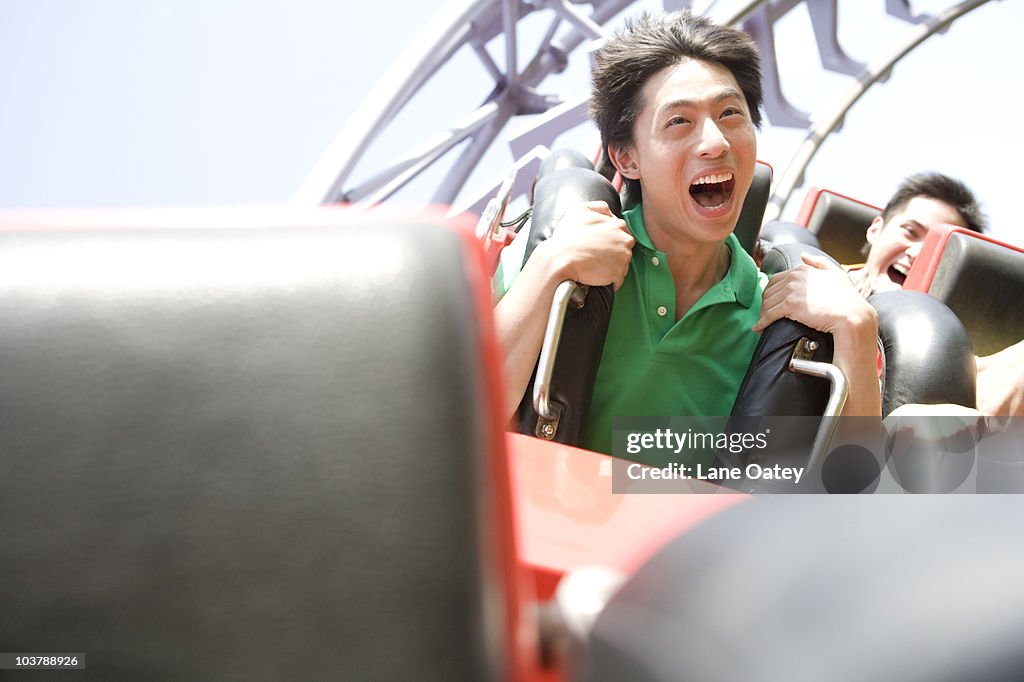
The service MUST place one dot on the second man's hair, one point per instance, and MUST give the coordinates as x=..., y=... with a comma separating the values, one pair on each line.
x=941, y=188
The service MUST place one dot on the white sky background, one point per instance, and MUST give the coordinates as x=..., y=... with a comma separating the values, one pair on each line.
x=139, y=102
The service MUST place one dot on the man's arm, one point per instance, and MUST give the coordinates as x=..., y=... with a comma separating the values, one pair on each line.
x=590, y=246
x=1001, y=382
x=821, y=296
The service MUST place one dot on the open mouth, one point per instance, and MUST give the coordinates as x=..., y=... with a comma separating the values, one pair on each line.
x=713, y=191
x=898, y=274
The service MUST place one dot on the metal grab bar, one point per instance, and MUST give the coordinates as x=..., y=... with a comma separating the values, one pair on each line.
x=565, y=293
x=839, y=389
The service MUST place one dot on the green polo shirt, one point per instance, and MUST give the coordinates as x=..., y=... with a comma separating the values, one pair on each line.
x=653, y=365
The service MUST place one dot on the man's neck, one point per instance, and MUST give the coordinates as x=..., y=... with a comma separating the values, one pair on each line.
x=695, y=266
x=694, y=275
x=860, y=280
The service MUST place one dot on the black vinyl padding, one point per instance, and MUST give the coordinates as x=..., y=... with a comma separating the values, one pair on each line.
x=561, y=190
x=786, y=232
x=927, y=354
x=585, y=329
x=244, y=454
x=769, y=388
x=748, y=224
x=983, y=283
x=563, y=158
x=841, y=225
x=557, y=160
x=843, y=589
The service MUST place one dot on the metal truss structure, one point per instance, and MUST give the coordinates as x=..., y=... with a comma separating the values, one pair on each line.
x=474, y=25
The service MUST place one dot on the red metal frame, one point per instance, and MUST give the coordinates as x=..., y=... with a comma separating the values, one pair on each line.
x=521, y=636
x=927, y=262
x=567, y=516
x=803, y=216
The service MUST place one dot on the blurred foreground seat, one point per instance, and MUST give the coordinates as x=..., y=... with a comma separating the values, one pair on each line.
x=812, y=588
x=254, y=445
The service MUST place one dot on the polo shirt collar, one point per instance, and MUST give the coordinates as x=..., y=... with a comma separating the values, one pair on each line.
x=740, y=282
x=634, y=218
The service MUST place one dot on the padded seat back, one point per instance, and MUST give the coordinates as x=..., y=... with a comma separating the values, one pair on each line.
x=748, y=225
x=252, y=452
x=981, y=279
x=839, y=222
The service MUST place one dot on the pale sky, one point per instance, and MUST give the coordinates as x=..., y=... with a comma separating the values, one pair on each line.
x=139, y=102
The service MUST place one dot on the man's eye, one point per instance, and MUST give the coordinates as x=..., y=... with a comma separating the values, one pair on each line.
x=677, y=120
x=732, y=111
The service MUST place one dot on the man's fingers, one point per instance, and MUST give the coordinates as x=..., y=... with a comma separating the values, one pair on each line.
x=769, y=313
x=762, y=323
x=599, y=207
x=617, y=282
x=815, y=261
x=779, y=287
x=772, y=299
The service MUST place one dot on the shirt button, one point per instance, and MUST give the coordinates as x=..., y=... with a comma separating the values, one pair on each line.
x=655, y=261
x=662, y=310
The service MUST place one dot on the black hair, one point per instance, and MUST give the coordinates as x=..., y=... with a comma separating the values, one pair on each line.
x=650, y=43
x=941, y=188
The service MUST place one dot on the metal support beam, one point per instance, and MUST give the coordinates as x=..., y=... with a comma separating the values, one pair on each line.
x=833, y=116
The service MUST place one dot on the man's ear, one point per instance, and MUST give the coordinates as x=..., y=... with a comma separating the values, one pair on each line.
x=624, y=161
x=875, y=229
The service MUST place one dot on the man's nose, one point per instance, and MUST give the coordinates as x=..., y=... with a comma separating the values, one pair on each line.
x=915, y=250
x=713, y=142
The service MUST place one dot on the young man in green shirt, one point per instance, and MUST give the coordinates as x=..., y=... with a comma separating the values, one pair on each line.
x=676, y=99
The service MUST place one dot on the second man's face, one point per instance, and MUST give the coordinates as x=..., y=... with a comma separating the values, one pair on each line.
x=896, y=243
x=694, y=150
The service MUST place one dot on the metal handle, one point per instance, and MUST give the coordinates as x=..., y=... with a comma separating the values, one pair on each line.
x=839, y=389
x=488, y=228
x=552, y=336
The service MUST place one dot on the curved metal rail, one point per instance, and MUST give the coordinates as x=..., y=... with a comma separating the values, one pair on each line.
x=832, y=117
x=473, y=24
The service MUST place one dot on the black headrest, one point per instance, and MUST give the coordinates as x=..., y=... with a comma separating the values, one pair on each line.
x=249, y=453
x=563, y=158
x=840, y=224
x=748, y=225
x=786, y=232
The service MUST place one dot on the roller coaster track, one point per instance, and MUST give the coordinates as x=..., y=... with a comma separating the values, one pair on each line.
x=484, y=26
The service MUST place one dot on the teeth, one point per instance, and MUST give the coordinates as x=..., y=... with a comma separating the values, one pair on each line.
x=711, y=179
x=900, y=268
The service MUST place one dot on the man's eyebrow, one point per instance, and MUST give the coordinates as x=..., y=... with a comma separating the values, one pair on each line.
x=728, y=93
